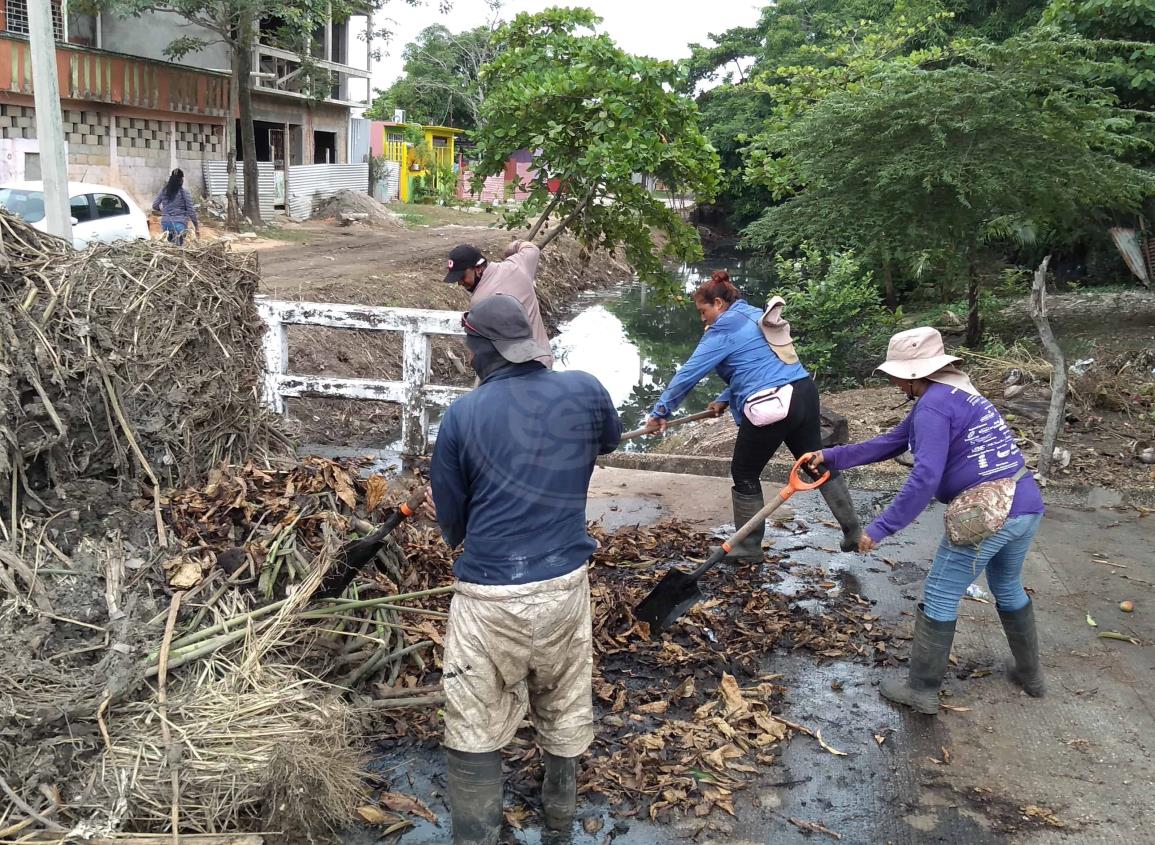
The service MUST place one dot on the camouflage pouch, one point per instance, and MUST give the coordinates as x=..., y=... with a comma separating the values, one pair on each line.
x=981, y=511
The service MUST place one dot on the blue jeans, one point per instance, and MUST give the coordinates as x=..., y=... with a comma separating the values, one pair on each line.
x=956, y=567
x=175, y=231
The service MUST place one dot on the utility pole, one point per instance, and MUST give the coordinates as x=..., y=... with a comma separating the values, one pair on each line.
x=49, y=122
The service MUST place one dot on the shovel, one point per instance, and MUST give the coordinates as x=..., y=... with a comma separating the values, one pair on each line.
x=701, y=415
x=354, y=555
x=678, y=591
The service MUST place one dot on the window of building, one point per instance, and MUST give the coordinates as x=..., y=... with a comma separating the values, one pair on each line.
x=324, y=147
x=16, y=18
x=440, y=141
x=109, y=205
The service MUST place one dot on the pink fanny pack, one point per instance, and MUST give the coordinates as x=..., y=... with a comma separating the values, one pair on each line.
x=769, y=406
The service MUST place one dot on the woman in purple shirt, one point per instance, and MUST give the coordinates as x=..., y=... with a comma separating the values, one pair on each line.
x=176, y=208
x=958, y=440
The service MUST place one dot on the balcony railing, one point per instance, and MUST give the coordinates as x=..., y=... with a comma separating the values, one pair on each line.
x=279, y=71
x=104, y=77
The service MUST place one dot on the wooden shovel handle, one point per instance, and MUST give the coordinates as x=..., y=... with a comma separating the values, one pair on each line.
x=701, y=415
x=416, y=498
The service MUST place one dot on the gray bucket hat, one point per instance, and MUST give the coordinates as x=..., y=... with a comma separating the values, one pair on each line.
x=501, y=320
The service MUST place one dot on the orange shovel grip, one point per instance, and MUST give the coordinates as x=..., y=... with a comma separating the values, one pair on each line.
x=796, y=484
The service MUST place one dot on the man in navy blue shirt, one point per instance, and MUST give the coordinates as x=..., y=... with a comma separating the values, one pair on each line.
x=509, y=477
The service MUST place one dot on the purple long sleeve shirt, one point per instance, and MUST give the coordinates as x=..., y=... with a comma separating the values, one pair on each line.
x=958, y=441
x=180, y=209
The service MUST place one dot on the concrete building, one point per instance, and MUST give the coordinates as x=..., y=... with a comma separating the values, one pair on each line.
x=131, y=114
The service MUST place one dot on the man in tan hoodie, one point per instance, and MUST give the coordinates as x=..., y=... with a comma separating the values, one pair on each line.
x=515, y=276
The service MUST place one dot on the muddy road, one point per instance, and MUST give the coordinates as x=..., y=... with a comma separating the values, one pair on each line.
x=997, y=767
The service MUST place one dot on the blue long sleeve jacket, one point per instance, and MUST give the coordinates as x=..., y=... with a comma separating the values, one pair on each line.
x=735, y=348
x=511, y=469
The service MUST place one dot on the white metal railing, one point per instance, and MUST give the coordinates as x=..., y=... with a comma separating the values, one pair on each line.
x=413, y=392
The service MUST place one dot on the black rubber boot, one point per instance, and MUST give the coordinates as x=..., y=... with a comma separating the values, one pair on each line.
x=745, y=507
x=1019, y=626
x=837, y=497
x=928, y=658
x=559, y=795
x=474, y=796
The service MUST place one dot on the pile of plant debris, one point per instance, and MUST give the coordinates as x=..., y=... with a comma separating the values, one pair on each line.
x=137, y=361
x=218, y=658
x=205, y=687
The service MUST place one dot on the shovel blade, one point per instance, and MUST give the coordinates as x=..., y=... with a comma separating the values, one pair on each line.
x=676, y=593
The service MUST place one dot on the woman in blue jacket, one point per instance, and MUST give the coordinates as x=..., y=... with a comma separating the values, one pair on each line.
x=771, y=396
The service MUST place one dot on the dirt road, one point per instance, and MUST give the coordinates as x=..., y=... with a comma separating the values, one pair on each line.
x=396, y=266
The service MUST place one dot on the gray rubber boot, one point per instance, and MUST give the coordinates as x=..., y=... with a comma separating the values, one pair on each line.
x=1025, y=670
x=559, y=794
x=474, y=796
x=929, y=654
x=837, y=497
x=745, y=507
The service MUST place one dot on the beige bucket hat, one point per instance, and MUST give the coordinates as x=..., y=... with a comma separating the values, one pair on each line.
x=776, y=330
x=920, y=353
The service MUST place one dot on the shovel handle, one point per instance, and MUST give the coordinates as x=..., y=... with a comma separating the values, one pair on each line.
x=794, y=485
x=701, y=415
x=409, y=507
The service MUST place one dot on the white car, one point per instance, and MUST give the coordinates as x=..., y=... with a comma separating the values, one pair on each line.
x=100, y=214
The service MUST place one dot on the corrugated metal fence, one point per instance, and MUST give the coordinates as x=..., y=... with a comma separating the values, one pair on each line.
x=309, y=183
x=358, y=140
x=217, y=182
x=389, y=188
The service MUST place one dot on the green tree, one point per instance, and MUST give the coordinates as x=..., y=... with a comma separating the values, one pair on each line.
x=841, y=327
x=441, y=84
x=945, y=154
x=747, y=62
x=235, y=24
x=596, y=117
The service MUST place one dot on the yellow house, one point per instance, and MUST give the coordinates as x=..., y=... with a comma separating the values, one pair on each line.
x=388, y=139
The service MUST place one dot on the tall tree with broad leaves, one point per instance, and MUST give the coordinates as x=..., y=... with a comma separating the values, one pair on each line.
x=945, y=154
x=730, y=75
x=442, y=84
x=595, y=117
x=235, y=24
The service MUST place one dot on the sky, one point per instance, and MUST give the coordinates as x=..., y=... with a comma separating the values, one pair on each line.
x=662, y=29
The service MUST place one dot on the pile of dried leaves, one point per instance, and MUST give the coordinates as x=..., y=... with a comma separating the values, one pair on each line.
x=683, y=722
x=686, y=721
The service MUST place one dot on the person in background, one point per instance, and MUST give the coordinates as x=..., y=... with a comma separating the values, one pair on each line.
x=515, y=276
x=771, y=396
x=959, y=442
x=176, y=208
x=509, y=478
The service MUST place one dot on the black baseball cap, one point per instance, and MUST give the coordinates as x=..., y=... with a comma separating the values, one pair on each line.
x=461, y=259
x=501, y=320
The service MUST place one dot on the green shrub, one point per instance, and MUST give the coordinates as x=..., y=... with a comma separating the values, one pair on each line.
x=836, y=315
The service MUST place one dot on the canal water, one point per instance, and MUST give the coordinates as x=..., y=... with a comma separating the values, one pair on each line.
x=634, y=343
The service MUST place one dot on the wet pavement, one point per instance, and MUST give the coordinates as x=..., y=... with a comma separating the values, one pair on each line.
x=1002, y=768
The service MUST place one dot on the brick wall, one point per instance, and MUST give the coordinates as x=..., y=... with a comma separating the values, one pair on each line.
x=142, y=138
x=146, y=148
x=87, y=135
x=17, y=121
x=199, y=141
